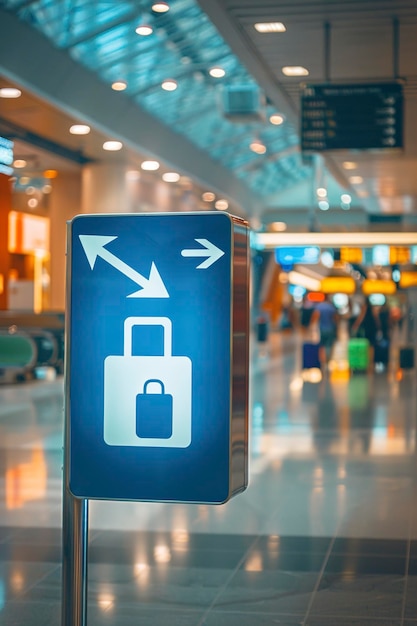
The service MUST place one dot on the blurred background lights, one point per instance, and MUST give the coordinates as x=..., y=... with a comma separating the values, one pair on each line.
x=19, y=163
x=217, y=72
x=346, y=198
x=171, y=177
x=10, y=92
x=32, y=203
x=79, y=129
x=160, y=7
x=324, y=205
x=169, y=85
x=112, y=146
x=208, y=196
x=144, y=30
x=50, y=174
x=222, y=205
x=150, y=166
x=258, y=147
x=119, y=85
x=132, y=175
x=276, y=119
x=321, y=192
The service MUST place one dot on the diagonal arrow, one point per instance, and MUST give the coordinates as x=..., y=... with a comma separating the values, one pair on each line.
x=212, y=252
x=152, y=287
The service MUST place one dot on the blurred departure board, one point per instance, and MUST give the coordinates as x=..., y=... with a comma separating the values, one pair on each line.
x=351, y=117
x=399, y=254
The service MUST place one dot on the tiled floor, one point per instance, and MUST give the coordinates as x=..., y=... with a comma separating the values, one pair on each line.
x=325, y=535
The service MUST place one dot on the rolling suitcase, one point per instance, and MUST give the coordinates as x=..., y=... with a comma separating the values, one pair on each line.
x=310, y=355
x=406, y=358
x=358, y=354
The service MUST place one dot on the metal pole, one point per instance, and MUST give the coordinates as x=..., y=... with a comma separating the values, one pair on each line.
x=74, y=560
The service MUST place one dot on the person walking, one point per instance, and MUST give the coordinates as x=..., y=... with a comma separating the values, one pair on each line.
x=326, y=317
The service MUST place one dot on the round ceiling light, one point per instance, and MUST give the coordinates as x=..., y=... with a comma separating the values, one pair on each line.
x=144, y=30
x=208, y=196
x=10, y=92
x=217, y=72
x=169, y=84
x=150, y=166
x=277, y=119
x=119, y=85
x=79, y=129
x=160, y=7
x=258, y=147
x=171, y=177
x=18, y=163
x=112, y=146
x=222, y=205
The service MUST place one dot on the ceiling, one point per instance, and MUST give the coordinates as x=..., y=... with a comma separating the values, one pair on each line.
x=66, y=54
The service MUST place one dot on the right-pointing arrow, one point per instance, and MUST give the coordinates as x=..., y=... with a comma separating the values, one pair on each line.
x=212, y=252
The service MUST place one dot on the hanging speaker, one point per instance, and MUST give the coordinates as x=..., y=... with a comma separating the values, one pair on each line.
x=243, y=103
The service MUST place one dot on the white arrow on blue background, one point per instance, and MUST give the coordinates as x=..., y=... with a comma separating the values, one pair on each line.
x=212, y=252
x=152, y=287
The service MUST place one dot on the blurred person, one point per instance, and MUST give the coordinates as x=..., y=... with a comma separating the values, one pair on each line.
x=326, y=317
x=366, y=326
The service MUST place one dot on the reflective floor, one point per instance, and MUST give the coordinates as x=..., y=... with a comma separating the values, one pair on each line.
x=326, y=533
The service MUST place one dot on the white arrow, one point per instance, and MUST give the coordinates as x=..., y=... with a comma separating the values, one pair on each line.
x=212, y=252
x=152, y=287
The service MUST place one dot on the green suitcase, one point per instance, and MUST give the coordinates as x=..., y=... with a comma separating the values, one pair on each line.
x=358, y=354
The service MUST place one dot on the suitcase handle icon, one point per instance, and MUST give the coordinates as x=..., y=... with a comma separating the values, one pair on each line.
x=165, y=322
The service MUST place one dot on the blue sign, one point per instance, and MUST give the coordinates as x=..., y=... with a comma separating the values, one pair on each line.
x=288, y=256
x=157, y=370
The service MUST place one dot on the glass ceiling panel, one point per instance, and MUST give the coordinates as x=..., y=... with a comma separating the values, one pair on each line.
x=184, y=45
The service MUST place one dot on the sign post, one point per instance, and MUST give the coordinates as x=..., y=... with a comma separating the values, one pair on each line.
x=157, y=359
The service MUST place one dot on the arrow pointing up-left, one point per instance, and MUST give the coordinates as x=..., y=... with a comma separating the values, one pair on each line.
x=152, y=287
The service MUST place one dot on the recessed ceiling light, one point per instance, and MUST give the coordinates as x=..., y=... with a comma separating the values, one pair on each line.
x=222, y=205
x=217, y=72
x=79, y=129
x=160, y=7
x=112, y=146
x=258, y=147
x=350, y=165
x=19, y=163
x=208, y=196
x=278, y=227
x=346, y=198
x=276, y=119
x=355, y=180
x=321, y=192
x=144, y=30
x=270, y=27
x=324, y=205
x=171, y=177
x=10, y=92
x=169, y=84
x=295, y=70
x=119, y=85
x=150, y=166
x=32, y=203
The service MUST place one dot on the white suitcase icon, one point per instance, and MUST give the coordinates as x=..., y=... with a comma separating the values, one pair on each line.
x=125, y=377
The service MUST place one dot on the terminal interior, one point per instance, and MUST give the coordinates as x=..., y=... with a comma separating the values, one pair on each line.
x=326, y=532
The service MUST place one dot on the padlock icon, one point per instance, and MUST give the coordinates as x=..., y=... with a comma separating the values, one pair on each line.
x=154, y=411
x=134, y=415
